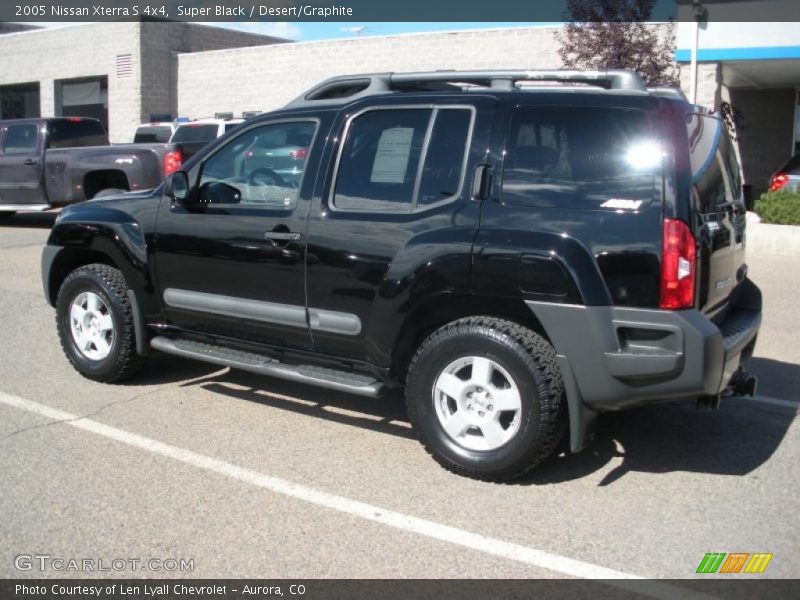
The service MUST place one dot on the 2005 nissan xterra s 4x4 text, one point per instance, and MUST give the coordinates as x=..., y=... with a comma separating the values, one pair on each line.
x=519, y=257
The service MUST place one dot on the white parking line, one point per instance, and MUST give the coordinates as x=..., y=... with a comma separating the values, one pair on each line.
x=773, y=401
x=423, y=527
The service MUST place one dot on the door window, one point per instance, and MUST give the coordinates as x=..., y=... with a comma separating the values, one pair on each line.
x=261, y=167
x=21, y=139
x=400, y=159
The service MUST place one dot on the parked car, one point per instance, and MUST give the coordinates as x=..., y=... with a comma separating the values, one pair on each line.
x=154, y=133
x=53, y=162
x=518, y=259
x=195, y=135
x=787, y=177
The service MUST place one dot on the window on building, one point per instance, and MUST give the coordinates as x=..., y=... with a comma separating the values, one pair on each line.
x=21, y=139
x=261, y=167
x=20, y=101
x=580, y=157
x=379, y=167
x=85, y=97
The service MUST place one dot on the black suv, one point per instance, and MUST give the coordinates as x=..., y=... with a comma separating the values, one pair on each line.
x=519, y=256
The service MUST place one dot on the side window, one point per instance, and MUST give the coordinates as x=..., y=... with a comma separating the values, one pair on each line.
x=382, y=166
x=21, y=139
x=580, y=157
x=261, y=167
x=708, y=166
x=731, y=165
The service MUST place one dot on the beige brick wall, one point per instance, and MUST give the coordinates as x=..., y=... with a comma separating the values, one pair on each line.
x=91, y=50
x=267, y=77
x=79, y=51
x=709, y=82
x=160, y=44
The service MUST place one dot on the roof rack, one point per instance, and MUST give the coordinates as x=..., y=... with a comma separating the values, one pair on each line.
x=668, y=92
x=338, y=90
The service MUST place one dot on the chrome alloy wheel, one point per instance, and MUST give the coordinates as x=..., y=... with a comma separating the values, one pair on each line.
x=477, y=403
x=91, y=325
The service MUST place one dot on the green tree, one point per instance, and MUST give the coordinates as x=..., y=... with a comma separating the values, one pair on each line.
x=613, y=34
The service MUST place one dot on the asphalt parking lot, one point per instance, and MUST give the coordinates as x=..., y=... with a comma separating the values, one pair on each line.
x=255, y=477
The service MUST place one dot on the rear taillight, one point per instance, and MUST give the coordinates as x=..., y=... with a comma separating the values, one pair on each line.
x=299, y=154
x=678, y=267
x=778, y=181
x=172, y=161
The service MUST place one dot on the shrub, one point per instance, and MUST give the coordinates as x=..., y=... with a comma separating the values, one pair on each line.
x=782, y=207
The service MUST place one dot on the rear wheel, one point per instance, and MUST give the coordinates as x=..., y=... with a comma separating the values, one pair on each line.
x=485, y=397
x=95, y=324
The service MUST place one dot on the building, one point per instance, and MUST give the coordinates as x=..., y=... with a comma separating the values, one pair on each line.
x=127, y=73
x=751, y=71
x=122, y=73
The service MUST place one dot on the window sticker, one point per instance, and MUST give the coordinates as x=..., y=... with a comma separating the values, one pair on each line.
x=391, y=158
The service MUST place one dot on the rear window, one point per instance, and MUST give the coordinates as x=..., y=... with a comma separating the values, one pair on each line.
x=195, y=133
x=152, y=135
x=580, y=157
x=68, y=133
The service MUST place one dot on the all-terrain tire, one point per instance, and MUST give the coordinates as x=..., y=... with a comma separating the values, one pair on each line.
x=530, y=361
x=122, y=362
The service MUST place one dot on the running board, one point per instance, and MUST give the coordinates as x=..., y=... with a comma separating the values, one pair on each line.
x=343, y=381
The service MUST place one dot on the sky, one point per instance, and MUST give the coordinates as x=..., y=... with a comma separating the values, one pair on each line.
x=310, y=31
x=304, y=32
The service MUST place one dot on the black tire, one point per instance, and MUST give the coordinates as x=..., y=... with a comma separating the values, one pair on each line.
x=529, y=360
x=109, y=192
x=7, y=214
x=107, y=282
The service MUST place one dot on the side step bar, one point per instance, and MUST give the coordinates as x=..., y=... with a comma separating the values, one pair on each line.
x=353, y=383
x=25, y=207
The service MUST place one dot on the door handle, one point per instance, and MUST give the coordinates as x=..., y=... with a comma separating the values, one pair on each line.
x=30, y=161
x=283, y=236
x=481, y=182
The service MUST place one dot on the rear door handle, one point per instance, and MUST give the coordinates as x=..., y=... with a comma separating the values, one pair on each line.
x=481, y=182
x=31, y=161
x=283, y=236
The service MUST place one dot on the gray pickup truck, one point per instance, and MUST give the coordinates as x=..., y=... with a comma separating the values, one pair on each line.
x=53, y=162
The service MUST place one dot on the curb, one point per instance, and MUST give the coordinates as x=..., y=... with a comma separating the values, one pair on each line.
x=772, y=239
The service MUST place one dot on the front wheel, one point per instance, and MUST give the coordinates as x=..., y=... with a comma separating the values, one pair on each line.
x=486, y=398
x=95, y=324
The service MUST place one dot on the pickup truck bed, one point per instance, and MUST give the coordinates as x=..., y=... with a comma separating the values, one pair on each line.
x=53, y=162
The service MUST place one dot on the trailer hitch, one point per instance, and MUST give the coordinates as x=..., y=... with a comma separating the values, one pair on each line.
x=741, y=384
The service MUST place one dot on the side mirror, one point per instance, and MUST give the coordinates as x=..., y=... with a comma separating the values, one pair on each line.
x=176, y=186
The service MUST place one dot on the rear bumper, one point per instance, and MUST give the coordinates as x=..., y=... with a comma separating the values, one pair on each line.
x=617, y=357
